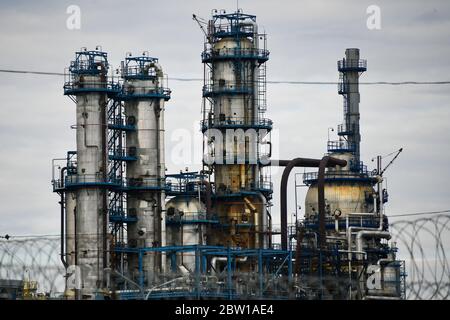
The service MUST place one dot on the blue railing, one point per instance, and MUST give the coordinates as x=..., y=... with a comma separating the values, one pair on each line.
x=121, y=154
x=74, y=86
x=91, y=62
x=352, y=65
x=353, y=221
x=310, y=177
x=131, y=92
x=97, y=180
x=227, y=87
x=144, y=184
x=235, y=122
x=191, y=218
x=235, y=53
x=341, y=146
x=344, y=129
x=119, y=123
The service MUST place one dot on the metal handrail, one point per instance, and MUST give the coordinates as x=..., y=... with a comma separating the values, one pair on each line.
x=143, y=182
x=235, y=52
x=120, y=152
x=74, y=84
x=236, y=121
x=232, y=28
x=191, y=216
x=228, y=86
x=182, y=187
x=352, y=64
x=131, y=71
x=347, y=128
x=311, y=176
x=89, y=179
x=136, y=91
x=341, y=145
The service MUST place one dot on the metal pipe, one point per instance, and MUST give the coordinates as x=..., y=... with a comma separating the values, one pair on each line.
x=63, y=254
x=269, y=216
x=326, y=161
x=369, y=233
x=215, y=260
x=290, y=164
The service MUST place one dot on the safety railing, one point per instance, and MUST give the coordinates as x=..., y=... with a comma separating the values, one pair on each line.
x=133, y=92
x=120, y=216
x=175, y=186
x=341, y=146
x=310, y=177
x=139, y=72
x=345, y=129
x=93, y=63
x=228, y=87
x=81, y=180
x=144, y=184
x=122, y=124
x=235, y=53
x=359, y=167
x=262, y=186
x=225, y=30
x=122, y=154
x=343, y=88
x=74, y=86
x=352, y=65
x=235, y=122
x=353, y=221
x=191, y=218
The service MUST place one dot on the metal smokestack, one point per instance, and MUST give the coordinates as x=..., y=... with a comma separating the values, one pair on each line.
x=350, y=69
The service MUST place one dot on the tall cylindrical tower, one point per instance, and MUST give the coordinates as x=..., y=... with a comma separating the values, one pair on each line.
x=144, y=95
x=88, y=86
x=348, y=189
x=235, y=129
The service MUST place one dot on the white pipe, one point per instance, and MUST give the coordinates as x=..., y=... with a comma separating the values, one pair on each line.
x=369, y=233
x=215, y=260
x=350, y=230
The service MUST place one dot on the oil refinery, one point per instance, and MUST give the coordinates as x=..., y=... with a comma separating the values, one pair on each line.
x=132, y=230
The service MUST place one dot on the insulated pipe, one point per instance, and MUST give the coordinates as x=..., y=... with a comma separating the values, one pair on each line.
x=215, y=260
x=299, y=162
x=63, y=258
x=369, y=233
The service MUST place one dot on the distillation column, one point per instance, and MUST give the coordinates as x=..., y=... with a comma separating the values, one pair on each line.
x=88, y=87
x=144, y=98
x=348, y=189
x=234, y=127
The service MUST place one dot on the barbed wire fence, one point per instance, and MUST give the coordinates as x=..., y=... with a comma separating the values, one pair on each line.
x=34, y=258
x=424, y=243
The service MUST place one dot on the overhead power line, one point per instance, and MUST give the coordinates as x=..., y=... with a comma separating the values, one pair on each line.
x=394, y=83
x=418, y=213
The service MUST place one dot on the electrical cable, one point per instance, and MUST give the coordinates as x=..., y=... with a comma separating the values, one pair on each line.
x=396, y=83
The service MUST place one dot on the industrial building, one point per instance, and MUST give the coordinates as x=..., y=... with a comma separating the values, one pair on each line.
x=131, y=230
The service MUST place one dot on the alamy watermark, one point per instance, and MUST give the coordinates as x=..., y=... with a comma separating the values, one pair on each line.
x=373, y=21
x=73, y=21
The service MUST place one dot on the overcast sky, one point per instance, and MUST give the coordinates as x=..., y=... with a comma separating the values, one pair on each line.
x=305, y=39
